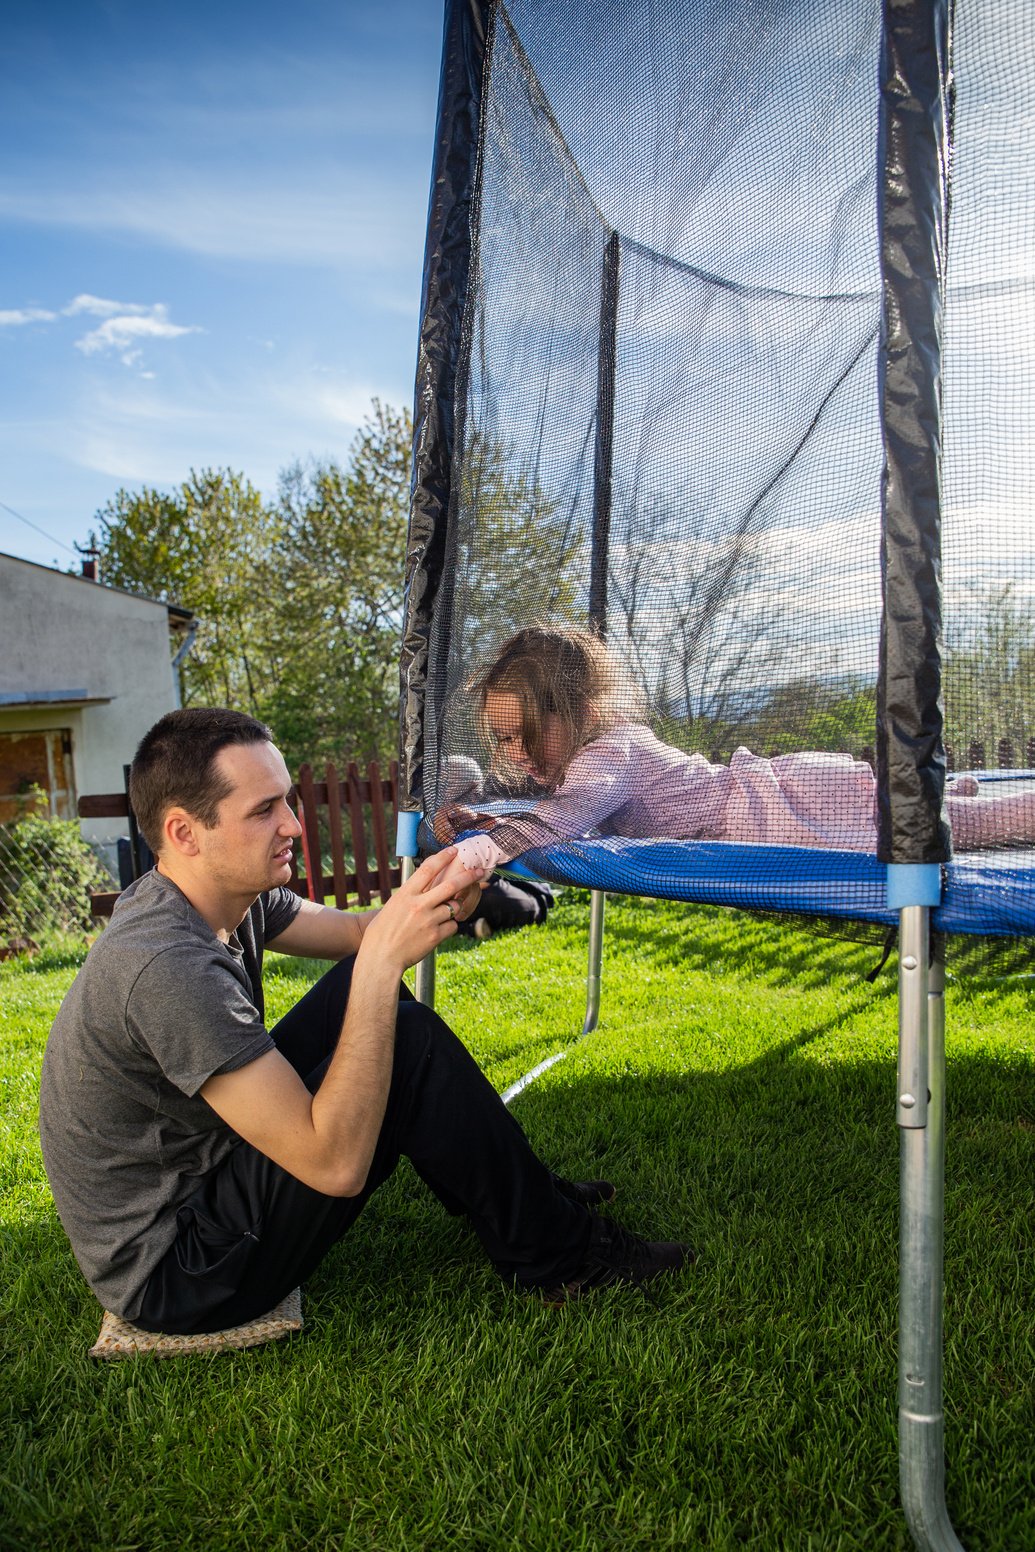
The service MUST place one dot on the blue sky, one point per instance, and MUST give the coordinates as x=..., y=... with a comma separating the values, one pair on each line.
x=211, y=240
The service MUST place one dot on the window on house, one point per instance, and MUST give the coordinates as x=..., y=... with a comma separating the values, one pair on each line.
x=39, y=759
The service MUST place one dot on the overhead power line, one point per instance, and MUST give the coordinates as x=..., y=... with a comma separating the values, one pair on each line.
x=30, y=524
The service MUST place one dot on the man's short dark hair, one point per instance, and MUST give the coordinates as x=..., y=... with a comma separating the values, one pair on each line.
x=175, y=766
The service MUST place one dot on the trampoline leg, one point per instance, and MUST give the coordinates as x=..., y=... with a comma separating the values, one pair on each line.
x=596, y=955
x=424, y=980
x=424, y=975
x=921, y=1237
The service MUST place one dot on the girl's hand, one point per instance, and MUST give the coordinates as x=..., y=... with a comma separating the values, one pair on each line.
x=441, y=827
x=420, y=915
x=451, y=818
x=467, y=901
x=468, y=818
x=460, y=875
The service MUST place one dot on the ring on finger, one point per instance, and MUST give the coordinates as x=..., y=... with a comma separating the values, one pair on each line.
x=451, y=908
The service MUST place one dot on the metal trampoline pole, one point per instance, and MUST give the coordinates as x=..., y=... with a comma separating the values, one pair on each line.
x=424, y=980
x=596, y=955
x=424, y=975
x=921, y=1234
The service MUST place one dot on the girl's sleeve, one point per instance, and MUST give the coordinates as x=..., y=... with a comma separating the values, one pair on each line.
x=460, y=779
x=597, y=782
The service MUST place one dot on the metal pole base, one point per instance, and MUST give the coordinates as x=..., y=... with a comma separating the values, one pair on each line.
x=921, y=1470
x=921, y=1119
x=596, y=955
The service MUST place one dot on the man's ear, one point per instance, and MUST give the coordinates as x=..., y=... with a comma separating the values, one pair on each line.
x=179, y=832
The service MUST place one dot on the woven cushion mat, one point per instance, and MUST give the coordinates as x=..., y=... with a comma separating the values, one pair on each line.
x=121, y=1339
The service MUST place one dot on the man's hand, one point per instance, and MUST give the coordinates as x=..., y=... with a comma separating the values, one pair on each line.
x=419, y=916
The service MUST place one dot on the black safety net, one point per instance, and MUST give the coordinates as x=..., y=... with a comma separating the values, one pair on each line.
x=657, y=648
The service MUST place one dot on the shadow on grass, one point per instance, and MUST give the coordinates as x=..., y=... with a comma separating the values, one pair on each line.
x=758, y=947
x=537, y=1046
x=763, y=1139
x=787, y=949
x=783, y=1174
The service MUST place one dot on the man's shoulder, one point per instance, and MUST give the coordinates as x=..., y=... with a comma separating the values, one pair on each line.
x=158, y=947
x=153, y=906
x=146, y=939
x=152, y=922
x=154, y=894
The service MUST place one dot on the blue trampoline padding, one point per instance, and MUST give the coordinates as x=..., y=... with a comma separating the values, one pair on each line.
x=1001, y=773
x=406, y=826
x=914, y=883
x=984, y=892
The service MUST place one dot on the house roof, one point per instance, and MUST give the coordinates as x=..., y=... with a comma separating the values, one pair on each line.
x=178, y=615
x=32, y=698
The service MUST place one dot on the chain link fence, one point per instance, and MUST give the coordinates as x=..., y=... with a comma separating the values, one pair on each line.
x=47, y=871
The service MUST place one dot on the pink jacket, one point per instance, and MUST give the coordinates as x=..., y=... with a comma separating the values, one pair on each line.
x=627, y=782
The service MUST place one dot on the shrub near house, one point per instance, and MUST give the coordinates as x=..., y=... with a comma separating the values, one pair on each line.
x=46, y=873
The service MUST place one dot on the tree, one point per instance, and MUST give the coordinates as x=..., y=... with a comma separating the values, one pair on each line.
x=299, y=601
x=203, y=545
x=811, y=713
x=334, y=589
x=689, y=613
x=989, y=676
x=516, y=554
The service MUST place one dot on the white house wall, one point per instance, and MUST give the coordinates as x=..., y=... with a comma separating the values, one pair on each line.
x=63, y=633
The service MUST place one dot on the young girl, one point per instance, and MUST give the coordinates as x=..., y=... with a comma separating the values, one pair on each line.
x=569, y=740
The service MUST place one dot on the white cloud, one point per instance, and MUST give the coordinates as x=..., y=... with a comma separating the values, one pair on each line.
x=11, y=317
x=153, y=433
x=125, y=328
x=330, y=218
x=100, y=307
x=121, y=332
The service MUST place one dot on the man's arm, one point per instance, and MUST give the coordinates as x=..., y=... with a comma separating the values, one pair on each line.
x=327, y=1139
x=321, y=932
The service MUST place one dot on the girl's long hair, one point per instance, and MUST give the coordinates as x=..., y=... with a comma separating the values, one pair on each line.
x=563, y=672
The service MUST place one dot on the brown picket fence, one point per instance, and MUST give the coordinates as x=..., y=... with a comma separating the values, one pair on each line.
x=348, y=835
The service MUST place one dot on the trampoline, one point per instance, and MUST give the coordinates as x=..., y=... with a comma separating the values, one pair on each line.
x=726, y=355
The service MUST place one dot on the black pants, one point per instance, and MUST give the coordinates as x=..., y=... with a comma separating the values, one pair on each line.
x=251, y=1232
x=510, y=902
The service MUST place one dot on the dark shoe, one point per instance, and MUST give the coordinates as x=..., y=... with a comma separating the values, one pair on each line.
x=589, y=1193
x=616, y=1256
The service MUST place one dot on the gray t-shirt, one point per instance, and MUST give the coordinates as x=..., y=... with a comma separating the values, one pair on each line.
x=160, y=1005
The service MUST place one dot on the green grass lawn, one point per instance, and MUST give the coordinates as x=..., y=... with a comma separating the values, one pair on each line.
x=740, y=1091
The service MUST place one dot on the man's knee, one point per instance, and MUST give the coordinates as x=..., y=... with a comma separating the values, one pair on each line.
x=427, y=1049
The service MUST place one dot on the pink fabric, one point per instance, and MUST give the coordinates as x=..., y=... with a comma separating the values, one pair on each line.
x=991, y=819
x=627, y=782
x=807, y=799
x=479, y=855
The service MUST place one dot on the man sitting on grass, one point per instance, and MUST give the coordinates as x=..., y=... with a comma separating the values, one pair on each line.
x=202, y=1166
